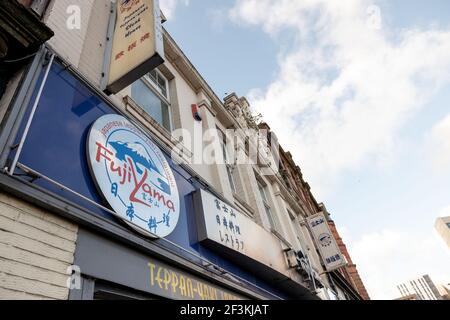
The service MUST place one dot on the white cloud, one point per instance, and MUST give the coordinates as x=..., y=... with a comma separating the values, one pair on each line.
x=445, y=212
x=439, y=144
x=345, y=233
x=387, y=258
x=347, y=85
x=168, y=7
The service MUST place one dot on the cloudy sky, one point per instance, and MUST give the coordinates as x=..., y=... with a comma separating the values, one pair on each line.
x=359, y=92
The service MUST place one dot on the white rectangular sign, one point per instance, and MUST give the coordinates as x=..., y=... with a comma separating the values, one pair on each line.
x=228, y=229
x=327, y=245
x=137, y=45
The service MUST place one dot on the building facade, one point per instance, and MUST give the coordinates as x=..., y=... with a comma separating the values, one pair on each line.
x=161, y=190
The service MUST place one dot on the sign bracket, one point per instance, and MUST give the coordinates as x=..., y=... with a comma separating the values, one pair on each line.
x=30, y=119
x=108, y=47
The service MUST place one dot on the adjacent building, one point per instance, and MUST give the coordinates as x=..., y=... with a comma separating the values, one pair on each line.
x=412, y=297
x=123, y=175
x=442, y=226
x=421, y=288
x=444, y=291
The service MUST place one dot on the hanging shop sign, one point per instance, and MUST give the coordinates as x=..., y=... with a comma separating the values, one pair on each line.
x=328, y=248
x=133, y=175
x=223, y=228
x=137, y=42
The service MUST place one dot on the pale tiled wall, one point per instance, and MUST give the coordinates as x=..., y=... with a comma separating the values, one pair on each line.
x=93, y=53
x=36, y=248
x=69, y=43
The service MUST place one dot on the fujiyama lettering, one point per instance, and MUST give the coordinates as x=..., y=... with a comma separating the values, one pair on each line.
x=134, y=176
x=127, y=171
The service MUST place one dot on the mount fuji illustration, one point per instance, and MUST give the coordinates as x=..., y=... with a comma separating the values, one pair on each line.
x=140, y=157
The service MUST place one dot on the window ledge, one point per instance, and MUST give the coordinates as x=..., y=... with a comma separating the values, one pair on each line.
x=281, y=238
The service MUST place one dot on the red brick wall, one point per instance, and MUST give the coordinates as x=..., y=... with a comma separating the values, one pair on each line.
x=349, y=272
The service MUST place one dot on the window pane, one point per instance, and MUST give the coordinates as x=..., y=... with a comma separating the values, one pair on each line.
x=153, y=76
x=151, y=104
x=224, y=151
x=161, y=83
x=262, y=191
x=166, y=116
x=269, y=216
x=164, y=92
x=231, y=179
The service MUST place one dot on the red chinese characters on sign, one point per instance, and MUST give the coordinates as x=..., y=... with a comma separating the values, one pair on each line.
x=133, y=25
x=145, y=37
x=132, y=46
x=120, y=55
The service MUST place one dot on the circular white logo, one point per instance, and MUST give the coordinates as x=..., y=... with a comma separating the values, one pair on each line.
x=133, y=175
x=325, y=240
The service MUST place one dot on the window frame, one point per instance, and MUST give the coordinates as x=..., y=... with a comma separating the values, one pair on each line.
x=154, y=83
x=229, y=167
x=149, y=82
x=262, y=187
